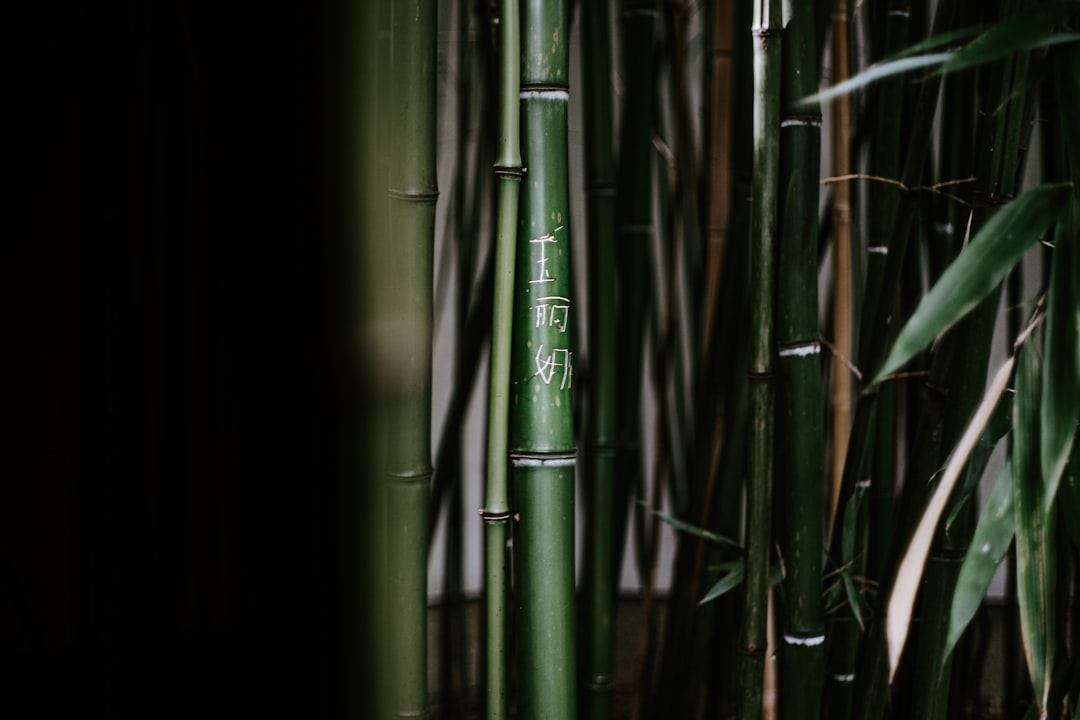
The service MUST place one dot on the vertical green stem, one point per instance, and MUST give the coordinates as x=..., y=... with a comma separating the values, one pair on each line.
x=600, y=581
x=541, y=429
x=413, y=193
x=766, y=31
x=800, y=402
x=496, y=512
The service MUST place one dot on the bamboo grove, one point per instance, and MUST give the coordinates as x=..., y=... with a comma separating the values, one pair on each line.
x=801, y=296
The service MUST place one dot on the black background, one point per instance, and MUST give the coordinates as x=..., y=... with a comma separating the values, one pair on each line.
x=183, y=502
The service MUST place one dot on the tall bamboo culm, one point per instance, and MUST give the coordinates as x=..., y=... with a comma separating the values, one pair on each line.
x=800, y=402
x=601, y=425
x=766, y=31
x=413, y=193
x=541, y=427
x=496, y=512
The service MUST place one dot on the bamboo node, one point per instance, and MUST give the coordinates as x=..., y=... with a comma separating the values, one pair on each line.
x=496, y=515
x=515, y=171
x=807, y=639
x=602, y=683
x=413, y=195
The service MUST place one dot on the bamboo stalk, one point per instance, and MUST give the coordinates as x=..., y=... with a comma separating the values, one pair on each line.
x=800, y=402
x=602, y=424
x=541, y=429
x=497, y=512
x=766, y=30
x=413, y=193
x=843, y=292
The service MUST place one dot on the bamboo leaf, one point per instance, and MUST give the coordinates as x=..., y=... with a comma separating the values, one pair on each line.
x=736, y=571
x=874, y=73
x=1060, y=406
x=730, y=581
x=853, y=598
x=947, y=38
x=1035, y=547
x=852, y=515
x=697, y=531
x=988, y=545
x=909, y=573
x=994, y=250
x=1026, y=30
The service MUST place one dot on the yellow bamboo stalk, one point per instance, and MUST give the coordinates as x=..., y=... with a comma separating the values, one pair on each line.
x=841, y=217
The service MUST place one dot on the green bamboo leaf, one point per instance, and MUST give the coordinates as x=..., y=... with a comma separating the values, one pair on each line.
x=696, y=531
x=874, y=73
x=988, y=545
x=1060, y=407
x=944, y=39
x=994, y=250
x=736, y=571
x=1035, y=546
x=852, y=524
x=909, y=573
x=731, y=580
x=853, y=598
x=1028, y=29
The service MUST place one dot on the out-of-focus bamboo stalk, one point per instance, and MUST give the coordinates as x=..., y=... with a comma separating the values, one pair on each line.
x=598, y=673
x=766, y=30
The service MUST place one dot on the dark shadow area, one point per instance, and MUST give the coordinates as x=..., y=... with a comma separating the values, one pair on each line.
x=183, y=507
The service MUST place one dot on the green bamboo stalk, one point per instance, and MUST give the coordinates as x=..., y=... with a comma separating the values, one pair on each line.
x=496, y=512
x=766, y=30
x=413, y=193
x=800, y=402
x=602, y=575
x=541, y=428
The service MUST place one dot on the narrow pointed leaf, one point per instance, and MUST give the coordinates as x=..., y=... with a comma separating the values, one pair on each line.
x=909, y=573
x=1035, y=544
x=1000, y=424
x=852, y=524
x=875, y=73
x=991, y=541
x=937, y=41
x=1026, y=30
x=730, y=581
x=990, y=255
x=697, y=532
x=1060, y=406
x=852, y=597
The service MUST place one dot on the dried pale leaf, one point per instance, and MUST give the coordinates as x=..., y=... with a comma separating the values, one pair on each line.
x=909, y=573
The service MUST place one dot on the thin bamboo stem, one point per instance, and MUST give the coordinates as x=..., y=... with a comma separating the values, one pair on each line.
x=413, y=193
x=766, y=30
x=602, y=424
x=497, y=512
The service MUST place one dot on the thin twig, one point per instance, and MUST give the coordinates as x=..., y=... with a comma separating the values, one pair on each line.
x=841, y=357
